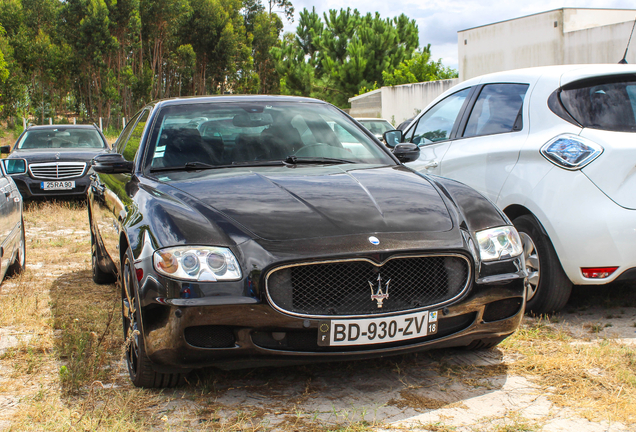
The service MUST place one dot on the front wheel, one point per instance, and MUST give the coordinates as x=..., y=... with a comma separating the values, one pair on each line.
x=139, y=365
x=547, y=286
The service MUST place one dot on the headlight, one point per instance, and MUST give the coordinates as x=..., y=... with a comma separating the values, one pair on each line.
x=499, y=243
x=197, y=263
x=571, y=152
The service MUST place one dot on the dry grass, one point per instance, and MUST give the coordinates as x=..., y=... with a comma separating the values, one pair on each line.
x=597, y=379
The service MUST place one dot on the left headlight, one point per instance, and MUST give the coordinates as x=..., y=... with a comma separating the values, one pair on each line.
x=197, y=263
x=499, y=243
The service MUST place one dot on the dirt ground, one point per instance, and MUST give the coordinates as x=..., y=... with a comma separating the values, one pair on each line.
x=61, y=367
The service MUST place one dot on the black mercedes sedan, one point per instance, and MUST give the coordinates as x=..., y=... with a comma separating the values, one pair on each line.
x=58, y=158
x=245, y=232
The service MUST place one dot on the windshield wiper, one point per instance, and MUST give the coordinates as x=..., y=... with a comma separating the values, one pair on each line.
x=295, y=160
x=191, y=166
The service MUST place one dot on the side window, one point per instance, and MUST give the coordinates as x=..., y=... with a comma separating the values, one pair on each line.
x=497, y=110
x=123, y=136
x=437, y=123
x=132, y=145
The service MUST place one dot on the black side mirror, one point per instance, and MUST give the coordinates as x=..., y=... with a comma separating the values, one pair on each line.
x=14, y=166
x=406, y=152
x=5, y=149
x=392, y=138
x=112, y=163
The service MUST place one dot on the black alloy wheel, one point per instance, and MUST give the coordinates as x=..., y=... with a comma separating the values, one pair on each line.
x=139, y=365
x=19, y=263
x=547, y=286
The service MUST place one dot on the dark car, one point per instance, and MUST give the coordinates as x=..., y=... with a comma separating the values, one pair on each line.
x=12, y=243
x=58, y=158
x=271, y=243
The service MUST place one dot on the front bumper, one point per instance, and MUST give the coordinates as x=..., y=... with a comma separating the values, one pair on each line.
x=245, y=332
x=30, y=188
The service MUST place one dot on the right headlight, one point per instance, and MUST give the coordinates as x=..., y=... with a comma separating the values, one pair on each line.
x=570, y=151
x=197, y=263
x=499, y=243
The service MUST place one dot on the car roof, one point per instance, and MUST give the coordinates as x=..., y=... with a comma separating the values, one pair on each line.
x=564, y=74
x=64, y=126
x=192, y=100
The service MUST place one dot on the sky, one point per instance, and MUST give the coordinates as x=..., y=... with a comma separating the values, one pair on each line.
x=440, y=20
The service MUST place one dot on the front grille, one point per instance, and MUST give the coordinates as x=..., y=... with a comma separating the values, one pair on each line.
x=345, y=287
x=57, y=170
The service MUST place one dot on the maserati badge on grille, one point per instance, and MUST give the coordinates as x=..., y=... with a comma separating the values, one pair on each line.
x=381, y=294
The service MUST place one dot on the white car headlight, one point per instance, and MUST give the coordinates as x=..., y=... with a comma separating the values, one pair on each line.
x=197, y=263
x=570, y=151
x=499, y=243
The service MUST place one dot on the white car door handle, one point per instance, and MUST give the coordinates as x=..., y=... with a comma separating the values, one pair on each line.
x=433, y=164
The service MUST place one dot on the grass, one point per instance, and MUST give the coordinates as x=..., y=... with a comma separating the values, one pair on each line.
x=596, y=379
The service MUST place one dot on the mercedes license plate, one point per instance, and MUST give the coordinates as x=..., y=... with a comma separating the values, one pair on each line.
x=57, y=185
x=377, y=330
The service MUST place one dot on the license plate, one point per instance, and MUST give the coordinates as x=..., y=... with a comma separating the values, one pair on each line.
x=377, y=330
x=57, y=185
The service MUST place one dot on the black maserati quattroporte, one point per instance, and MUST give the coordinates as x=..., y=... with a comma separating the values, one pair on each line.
x=259, y=230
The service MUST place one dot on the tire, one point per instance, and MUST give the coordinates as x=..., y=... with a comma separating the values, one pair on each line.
x=547, y=286
x=19, y=263
x=139, y=365
x=100, y=277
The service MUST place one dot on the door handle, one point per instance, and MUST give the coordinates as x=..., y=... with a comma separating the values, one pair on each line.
x=433, y=164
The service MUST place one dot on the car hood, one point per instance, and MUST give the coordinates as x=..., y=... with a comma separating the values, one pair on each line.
x=284, y=203
x=56, y=155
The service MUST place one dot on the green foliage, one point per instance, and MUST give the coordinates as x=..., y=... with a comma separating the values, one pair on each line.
x=419, y=68
x=335, y=57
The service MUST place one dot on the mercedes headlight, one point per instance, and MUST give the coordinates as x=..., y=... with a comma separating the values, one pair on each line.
x=499, y=243
x=197, y=263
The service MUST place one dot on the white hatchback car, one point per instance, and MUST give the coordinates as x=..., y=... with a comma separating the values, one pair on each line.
x=555, y=148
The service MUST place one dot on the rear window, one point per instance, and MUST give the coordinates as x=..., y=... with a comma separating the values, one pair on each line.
x=606, y=103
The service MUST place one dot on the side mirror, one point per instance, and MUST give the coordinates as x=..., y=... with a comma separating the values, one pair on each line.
x=406, y=152
x=392, y=138
x=112, y=163
x=5, y=149
x=14, y=166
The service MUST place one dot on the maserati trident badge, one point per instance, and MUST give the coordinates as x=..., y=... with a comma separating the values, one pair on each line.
x=380, y=294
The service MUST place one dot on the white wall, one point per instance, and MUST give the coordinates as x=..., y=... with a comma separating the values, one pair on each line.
x=562, y=36
x=405, y=101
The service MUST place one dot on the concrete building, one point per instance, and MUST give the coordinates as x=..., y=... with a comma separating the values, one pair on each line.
x=560, y=36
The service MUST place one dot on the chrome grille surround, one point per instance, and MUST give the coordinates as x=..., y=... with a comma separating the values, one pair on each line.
x=57, y=170
x=461, y=283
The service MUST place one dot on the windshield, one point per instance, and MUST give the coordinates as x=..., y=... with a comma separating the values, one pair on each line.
x=607, y=103
x=257, y=133
x=61, y=138
x=377, y=127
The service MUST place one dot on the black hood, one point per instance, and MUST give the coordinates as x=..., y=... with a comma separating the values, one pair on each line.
x=57, y=155
x=308, y=201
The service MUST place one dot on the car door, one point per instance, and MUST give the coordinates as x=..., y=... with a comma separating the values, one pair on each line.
x=434, y=130
x=10, y=209
x=108, y=190
x=489, y=138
